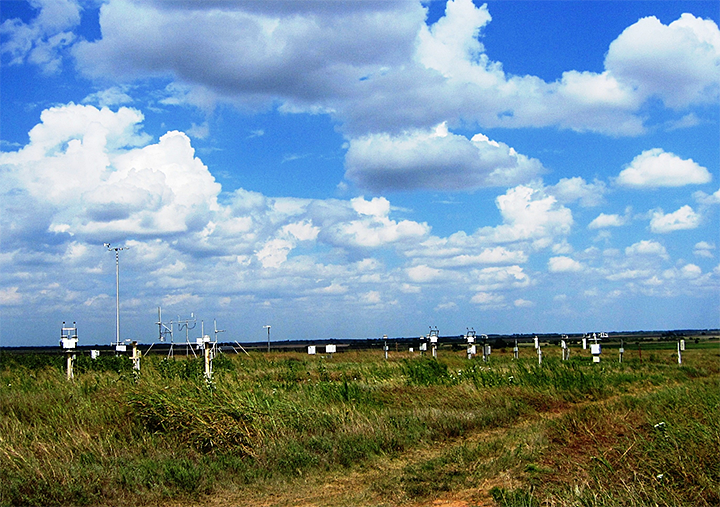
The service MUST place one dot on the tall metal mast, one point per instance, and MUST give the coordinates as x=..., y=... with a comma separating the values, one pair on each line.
x=116, y=249
x=268, y=328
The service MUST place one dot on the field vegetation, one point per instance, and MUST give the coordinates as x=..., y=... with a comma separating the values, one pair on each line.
x=356, y=429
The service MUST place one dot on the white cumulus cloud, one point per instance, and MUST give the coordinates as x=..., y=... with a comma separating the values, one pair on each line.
x=435, y=160
x=679, y=62
x=529, y=214
x=87, y=164
x=657, y=168
x=683, y=218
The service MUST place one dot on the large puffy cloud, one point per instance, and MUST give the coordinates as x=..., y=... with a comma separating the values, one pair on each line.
x=435, y=160
x=657, y=168
x=529, y=215
x=84, y=162
x=679, y=62
x=302, y=54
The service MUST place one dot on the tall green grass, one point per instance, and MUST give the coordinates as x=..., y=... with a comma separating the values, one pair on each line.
x=113, y=437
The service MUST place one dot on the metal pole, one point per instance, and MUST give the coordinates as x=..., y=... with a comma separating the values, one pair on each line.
x=117, y=297
x=268, y=328
x=116, y=249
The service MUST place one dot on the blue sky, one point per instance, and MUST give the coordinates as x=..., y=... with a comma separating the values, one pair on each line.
x=354, y=169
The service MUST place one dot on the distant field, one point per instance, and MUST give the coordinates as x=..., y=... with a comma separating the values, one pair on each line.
x=355, y=429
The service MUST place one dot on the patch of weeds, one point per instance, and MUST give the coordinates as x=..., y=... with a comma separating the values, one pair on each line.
x=197, y=419
x=514, y=498
x=118, y=364
x=223, y=362
x=31, y=361
x=184, y=369
x=425, y=372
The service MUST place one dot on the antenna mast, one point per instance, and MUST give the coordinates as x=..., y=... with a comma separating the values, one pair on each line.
x=117, y=250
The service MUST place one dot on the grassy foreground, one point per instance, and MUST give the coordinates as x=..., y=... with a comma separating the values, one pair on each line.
x=410, y=430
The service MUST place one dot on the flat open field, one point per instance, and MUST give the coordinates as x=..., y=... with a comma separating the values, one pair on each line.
x=355, y=429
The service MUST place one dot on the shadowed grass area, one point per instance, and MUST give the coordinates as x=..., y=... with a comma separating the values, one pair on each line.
x=571, y=433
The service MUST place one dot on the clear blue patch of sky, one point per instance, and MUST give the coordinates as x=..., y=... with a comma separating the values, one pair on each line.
x=289, y=155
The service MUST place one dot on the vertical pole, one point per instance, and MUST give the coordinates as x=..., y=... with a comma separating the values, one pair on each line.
x=69, y=359
x=208, y=364
x=385, y=347
x=516, y=351
x=539, y=352
x=679, y=353
x=117, y=297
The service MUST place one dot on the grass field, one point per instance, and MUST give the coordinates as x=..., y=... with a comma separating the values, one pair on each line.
x=355, y=429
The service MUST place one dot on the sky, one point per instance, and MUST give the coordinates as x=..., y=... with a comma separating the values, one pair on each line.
x=350, y=169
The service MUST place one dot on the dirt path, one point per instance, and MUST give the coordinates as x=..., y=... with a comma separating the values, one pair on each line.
x=367, y=484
